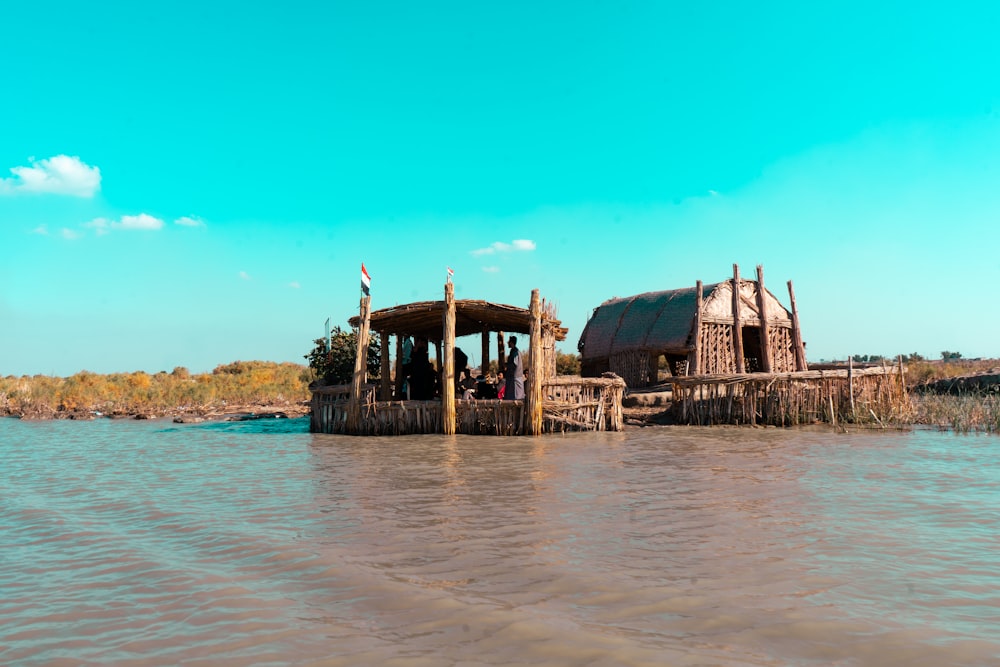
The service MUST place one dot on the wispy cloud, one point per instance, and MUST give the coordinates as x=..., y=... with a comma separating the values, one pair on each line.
x=60, y=175
x=41, y=230
x=294, y=284
x=517, y=245
x=69, y=234
x=143, y=221
x=491, y=269
x=245, y=276
x=188, y=221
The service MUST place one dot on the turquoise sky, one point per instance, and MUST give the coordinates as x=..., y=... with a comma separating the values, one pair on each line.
x=192, y=183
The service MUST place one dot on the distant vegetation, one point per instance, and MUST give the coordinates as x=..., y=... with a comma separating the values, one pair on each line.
x=228, y=387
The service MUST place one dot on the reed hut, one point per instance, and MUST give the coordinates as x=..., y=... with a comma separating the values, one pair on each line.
x=551, y=403
x=731, y=327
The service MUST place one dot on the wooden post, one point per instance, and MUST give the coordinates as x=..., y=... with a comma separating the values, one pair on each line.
x=850, y=385
x=399, y=368
x=695, y=361
x=765, y=339
x=536, y=363
x=448, y=382
x=385, y=387
x=485, y=364
x=737, y=323
x=360, y=369
x=501, y=354
x=797, y=344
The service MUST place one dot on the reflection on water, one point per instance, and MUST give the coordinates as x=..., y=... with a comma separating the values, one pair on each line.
x=256, y=542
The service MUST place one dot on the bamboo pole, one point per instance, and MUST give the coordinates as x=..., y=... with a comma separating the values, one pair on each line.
x=797, y=344
x=737, y=323
x=448, y=382
x=385, y=388
x=694, y=366
x=360, y=367
x=536, y=361
x=765, y=338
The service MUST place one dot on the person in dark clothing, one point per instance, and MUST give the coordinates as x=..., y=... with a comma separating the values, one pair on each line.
x=515, y=373
x=420, y=373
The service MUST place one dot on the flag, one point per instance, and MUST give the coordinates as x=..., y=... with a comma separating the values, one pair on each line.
x=450, y=273
x=366, y=281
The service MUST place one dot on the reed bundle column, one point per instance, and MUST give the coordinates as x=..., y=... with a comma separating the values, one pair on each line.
x=694, y=357
x=536, y=365
x=486, y=352
x=448, y=385
x=765, y=340
x=800, y=348
x=360, y=367
x=737, y=323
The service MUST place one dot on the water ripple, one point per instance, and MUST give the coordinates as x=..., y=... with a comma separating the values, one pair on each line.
x=139, y=543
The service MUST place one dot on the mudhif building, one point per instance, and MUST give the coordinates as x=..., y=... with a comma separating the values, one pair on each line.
x=550, y=403
x=733, y=354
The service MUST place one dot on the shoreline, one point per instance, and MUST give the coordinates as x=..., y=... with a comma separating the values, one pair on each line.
x=180, y=415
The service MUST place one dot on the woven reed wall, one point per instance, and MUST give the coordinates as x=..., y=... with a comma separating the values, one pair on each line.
x=632, y=367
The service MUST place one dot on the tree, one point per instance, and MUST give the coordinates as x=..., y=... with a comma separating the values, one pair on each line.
x=951, y=356
x=567, y=364
x=336, y=365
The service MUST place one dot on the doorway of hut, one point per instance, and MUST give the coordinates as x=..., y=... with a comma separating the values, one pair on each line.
x=752, y=352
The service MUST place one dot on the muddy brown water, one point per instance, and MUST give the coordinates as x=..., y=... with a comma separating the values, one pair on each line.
x=149, y=543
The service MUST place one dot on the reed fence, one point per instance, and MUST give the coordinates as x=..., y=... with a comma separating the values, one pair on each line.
x=569, y=404
x=871, y=395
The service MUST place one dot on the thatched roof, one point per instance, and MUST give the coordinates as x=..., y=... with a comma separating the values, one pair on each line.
x=663, y=321
x=426, y=319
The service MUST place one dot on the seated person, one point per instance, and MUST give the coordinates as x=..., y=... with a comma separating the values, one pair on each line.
x=486, y=387
x=467, y=385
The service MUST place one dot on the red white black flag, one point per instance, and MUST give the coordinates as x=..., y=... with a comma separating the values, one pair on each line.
x=366, y=281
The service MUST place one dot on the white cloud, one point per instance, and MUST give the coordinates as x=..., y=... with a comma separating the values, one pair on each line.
x=69, y=234
x=491, y=269
x=99, y=225
x=244, y=275
x=141, y=221
x=294, y=284
x=61, y=175
x=188, y=221
x=500, y=246
x=41, y=230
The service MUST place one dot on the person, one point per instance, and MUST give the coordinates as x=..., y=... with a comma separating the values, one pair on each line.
x=515, y=373
x=467, y=385
x=501, y=386
x=407, y=356
x=461, y=362
x=487, y=387
x=421, y=374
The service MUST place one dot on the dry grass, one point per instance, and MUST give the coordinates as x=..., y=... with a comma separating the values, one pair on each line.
x=228, y=388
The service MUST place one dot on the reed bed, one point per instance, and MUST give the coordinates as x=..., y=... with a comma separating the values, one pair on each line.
x=964, y=413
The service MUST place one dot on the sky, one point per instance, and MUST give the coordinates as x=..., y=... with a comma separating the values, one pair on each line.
x=191, y=183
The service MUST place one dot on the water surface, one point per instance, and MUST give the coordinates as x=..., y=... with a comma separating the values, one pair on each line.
x=147, y=543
